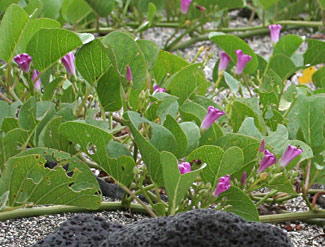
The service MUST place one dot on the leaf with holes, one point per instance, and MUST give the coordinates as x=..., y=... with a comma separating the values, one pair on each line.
x=93, y=141
x=49, y=45
x=29, y=181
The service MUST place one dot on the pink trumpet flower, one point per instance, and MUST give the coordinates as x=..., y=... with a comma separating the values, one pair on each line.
x=23, y=60
x=184, y=167
x=185, y=4
x=212, y=115
x=275, y=32
x=268, y=160
x=242, y=60
x=222, y=186
x=68, y=62
x=224, y=61
x=291, y=153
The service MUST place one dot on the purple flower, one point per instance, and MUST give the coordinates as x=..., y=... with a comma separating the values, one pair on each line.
x=212, y=115
x=268, y=160
x=184, y=167
x=185, y=4
x=291, y=153
x=68, y=62
x=262, y=146
x=224, y=61
x=242, y=60
x=129, y=76
x=23, y=60
x=223, y=185
x=37, y=84
x=157, y=89
x=275, y=32
x=243, y=178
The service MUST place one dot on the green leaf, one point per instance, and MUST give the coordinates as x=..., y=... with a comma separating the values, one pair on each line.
x=230, y=43
x=3, y=199
x=311, y=118
x=150, y=155
x=34, y=7
x=248, y=145
x=102, y=7
x=51, y=8
x=212, y=156
x=230, y=4
x=92, y=61
x=32, y=28
x=49, y=45
x=8, y=124
x=5, y=110
x=267, y=3
x=239, y=112
x=12, y=143
x=12, y=26
x=319, y=78
x=152, y=9
x=93, y=141
x=180, y=137
x=30, y=181
x=287, y=45
x=27, y=114
x=241, y=204
x=109, y=90
x=51, y=87
x=192, y=132
x=150, y=51
x=248, y=128
x=176, y=185
x=281, y=183
x=192, y=111
x=162, y=105
x=187, y=82
x=232, y=83
x=282, y=65
x=116, y=150
x=166, y=65
x=5, y=4
x=52, y=138
x=127, y=52
x=74, y=11
x=143, y=5
x=313, y=55
x=321, y=4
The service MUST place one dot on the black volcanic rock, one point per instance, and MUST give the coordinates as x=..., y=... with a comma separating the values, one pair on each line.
x=203, y=227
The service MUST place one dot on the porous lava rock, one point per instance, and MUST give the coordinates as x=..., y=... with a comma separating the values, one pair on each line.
x=203, y=227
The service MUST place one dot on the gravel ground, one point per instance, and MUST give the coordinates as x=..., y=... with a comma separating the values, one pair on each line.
x=26, y=231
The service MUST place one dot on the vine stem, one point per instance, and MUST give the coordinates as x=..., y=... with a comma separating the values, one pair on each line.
x=84, y=100
x=276, y=218
x=37, y=211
